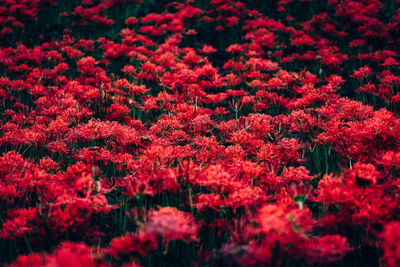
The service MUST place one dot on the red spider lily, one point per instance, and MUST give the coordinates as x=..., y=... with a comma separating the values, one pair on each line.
x=77, y=254
x=364, y=173
x=171, y=224
x=141, y=243
x=390, y=246
x=218, y=133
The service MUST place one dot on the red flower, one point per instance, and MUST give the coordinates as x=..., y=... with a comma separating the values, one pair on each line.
x=86, y=65
x=390, y=244
x=171, y=224
x=208, y=49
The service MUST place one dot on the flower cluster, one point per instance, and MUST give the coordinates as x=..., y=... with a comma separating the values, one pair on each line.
x=218, y=133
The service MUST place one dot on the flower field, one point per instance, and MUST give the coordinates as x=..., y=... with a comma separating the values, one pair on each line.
x=200, y=133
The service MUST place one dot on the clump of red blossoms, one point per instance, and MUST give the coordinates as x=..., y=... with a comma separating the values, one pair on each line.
x=215, y=133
